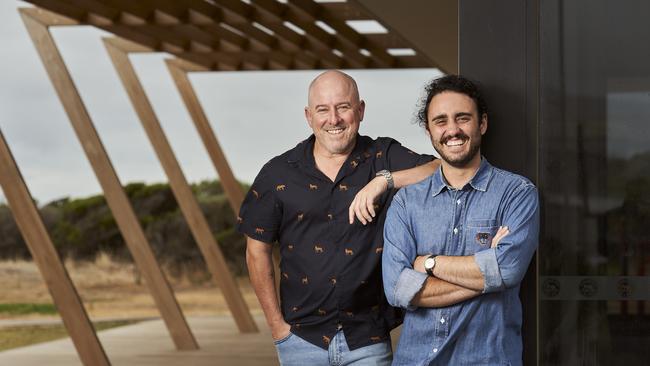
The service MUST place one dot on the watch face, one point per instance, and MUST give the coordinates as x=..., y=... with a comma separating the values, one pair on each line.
x=429, y=263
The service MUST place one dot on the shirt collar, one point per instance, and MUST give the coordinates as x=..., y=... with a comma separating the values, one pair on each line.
x=438, y=182
x=303, y=151
x=479, y=181
x=482, y=177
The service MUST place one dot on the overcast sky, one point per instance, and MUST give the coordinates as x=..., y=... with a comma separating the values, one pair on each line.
x=256, y=115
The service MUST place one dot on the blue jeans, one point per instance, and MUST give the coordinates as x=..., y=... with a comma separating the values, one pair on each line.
x=295, y=351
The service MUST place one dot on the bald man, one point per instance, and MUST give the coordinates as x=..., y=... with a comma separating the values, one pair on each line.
x=324, y=202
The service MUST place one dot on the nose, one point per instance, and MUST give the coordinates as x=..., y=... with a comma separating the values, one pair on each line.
x=334, y=116
x=452, y=128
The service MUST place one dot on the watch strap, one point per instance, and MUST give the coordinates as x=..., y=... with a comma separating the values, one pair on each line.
x=389, y=177
x=430, y=270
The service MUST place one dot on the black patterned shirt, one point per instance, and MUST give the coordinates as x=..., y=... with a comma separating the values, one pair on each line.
x=330, y=269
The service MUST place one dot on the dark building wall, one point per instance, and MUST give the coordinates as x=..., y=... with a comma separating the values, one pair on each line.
x=568, y=84
x=498, y=48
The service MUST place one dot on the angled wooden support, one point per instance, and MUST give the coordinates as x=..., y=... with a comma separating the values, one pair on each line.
x=47, y=260
x=37, y=22
x=179, y=69
x=118, y=50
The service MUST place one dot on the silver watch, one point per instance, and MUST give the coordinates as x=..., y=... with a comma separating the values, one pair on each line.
x=389, y=177
x=429, y=263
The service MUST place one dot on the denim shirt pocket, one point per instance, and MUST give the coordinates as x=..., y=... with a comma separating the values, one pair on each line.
x=479, y=233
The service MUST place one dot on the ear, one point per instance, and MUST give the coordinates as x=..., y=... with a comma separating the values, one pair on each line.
x=362, y=109
x=308, y=116
x=484, y=123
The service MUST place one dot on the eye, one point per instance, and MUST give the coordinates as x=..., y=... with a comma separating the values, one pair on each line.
x=321, y=110
x=342, y=107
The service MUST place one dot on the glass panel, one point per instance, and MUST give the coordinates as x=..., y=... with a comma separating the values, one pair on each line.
x=594, y=255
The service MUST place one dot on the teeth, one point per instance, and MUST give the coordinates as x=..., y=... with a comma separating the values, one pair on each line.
x=455, y=142
x=335, y=131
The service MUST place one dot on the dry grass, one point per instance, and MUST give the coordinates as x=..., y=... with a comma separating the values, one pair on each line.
x=113, y=290
x=13, y=337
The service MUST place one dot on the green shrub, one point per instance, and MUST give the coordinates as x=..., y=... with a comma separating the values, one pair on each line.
x=81, y=228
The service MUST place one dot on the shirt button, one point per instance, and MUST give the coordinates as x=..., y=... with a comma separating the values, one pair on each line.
x=455, y=230
x=435, y=350
x=442, y=320
x=458, y=202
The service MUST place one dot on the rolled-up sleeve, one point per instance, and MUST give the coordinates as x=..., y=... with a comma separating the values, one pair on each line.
x=401, y=281
x=505, y=266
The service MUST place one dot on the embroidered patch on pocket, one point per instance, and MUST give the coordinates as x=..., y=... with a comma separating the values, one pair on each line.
x=483, y=239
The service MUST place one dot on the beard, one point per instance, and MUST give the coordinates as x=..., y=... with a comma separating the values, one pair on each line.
x=459, y=160
x=342, y=144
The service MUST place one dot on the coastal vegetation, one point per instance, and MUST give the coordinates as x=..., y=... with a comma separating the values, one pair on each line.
x=83, y=228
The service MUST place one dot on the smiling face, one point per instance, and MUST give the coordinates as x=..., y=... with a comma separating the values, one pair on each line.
x=334, y=113
x=455, y=129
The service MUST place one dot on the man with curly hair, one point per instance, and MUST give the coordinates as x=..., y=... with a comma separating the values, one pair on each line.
x=457, y=244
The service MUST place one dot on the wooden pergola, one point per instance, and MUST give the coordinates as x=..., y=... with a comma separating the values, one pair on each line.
x=246, y=35
x=200, y=36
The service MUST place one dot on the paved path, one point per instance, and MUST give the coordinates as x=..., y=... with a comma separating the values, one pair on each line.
x=55, y=321
x=148, y=344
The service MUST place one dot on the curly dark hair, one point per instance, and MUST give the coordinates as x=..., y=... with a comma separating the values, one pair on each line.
x=454, y=83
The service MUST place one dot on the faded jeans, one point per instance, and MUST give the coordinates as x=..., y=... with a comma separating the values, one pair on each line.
x=295, y=351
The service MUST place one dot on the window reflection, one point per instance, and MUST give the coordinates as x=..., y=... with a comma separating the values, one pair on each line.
x=594, y=256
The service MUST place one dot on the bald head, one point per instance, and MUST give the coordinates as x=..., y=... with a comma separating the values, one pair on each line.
x=331, y=79
x=334, y=113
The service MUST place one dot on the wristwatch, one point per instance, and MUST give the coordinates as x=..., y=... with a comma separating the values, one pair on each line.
x=389, y=177
x=429, y=263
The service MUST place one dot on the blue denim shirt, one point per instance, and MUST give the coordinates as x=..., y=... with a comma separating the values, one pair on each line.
x=431, y=217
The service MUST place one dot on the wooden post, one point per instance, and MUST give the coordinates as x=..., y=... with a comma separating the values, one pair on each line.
x=47, y=260
x=179, y=69
x=37, y=22
x=118, y=50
